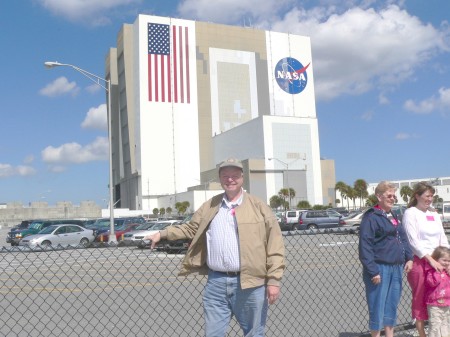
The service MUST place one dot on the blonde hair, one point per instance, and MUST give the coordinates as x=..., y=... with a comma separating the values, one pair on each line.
x=419, y=189
x=440, y=252
x=384, y=186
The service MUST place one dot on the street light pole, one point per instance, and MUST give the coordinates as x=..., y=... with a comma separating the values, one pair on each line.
x=105, y=84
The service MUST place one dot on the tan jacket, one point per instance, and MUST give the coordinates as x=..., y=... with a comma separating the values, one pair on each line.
x=260, y=241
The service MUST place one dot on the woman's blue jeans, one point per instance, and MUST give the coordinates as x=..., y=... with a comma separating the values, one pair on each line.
x=383, y=298
x=223, y=298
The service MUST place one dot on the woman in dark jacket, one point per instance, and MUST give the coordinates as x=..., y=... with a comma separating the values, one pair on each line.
x=385, y=253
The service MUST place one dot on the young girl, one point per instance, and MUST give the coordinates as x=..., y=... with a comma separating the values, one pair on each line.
x=438, y=294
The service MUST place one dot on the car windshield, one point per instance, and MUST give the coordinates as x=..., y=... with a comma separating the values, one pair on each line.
x=36, y=225
x=48, y=230
x=352, y=215
x=160, y=225
x=121, y=227
x=145, y=226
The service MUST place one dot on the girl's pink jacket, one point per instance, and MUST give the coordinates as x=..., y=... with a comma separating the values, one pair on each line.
x=437, y=286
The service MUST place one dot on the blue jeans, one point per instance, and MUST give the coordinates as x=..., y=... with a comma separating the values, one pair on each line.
x=383, y=298
x=223, y=298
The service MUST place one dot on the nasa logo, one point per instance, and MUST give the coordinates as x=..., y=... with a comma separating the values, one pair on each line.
x=291, y=75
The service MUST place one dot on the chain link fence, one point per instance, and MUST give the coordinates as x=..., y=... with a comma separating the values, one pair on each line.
x=116, y=290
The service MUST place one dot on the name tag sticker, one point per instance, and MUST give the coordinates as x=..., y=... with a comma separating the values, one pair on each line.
x=430, y=218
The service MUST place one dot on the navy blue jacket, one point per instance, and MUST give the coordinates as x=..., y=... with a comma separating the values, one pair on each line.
x=381, y=242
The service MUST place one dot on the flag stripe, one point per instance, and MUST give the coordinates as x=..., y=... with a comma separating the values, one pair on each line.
x=175, y=68
x=181, y=64
x=168, y=63
x=150, y=98
x=188, y=89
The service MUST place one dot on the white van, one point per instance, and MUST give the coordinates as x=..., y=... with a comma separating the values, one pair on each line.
x=292, y=216
x=445, y=213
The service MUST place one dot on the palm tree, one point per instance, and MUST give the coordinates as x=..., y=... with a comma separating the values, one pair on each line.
x=284, y=194
x=352, y=195
x=360, y=187
x=291, y=195
x=406, y=193
x=162, y=211
x=304, y=204
x=371, y=200
x=342, y=188
x=275, y=201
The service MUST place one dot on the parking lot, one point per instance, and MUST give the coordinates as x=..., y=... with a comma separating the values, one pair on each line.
x=125, y=291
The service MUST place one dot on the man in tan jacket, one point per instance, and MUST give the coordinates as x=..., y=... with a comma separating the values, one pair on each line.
x=237, y=242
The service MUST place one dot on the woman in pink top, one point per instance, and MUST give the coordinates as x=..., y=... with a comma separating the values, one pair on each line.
x=425, y=232
x=438, y=294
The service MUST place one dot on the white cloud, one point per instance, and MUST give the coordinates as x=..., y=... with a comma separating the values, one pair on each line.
x=57, y=168
x=424, y=107
x=405, y=136
x=96, y=118
x=60, y=86
x=402, y=136
x=29, y=159
x=94, y=12
x=440, y=102
x=359, y=50
x=382, y=99
x=93, y=88
x=367, y=116
x=355, y=48
x=7, y=170
x=74, y=153
x=232, y=11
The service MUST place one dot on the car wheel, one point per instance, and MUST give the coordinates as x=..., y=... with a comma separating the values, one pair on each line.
x=312, y=226
x=84, y=242
x=46, y=243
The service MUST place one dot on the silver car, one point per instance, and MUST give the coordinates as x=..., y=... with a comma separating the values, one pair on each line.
x=136, y=236
x=352, y=222
x=64, y=235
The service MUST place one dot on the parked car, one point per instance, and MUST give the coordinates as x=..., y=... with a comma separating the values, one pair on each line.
x=353, y=222
x=14, y=236
x=398, y=210
x=102, y=225
x=292, y=216
x=176, y=246
x=119, y=232
x=23, y=225
x=444, y=212
x=341, y=210
x=319, y=219
x=285, y=226
x=63, y=235
x=136, y=237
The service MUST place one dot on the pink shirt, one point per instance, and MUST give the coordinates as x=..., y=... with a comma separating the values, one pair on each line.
x=437, y=287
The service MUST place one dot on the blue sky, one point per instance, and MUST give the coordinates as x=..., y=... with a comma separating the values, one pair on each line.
x=381, y=70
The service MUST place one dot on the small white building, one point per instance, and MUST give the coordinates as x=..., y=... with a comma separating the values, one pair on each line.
x=442, y=186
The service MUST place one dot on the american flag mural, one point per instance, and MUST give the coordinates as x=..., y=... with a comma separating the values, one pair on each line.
x=168, y=63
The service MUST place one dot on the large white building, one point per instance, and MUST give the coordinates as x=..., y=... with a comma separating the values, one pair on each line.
x=186, y=95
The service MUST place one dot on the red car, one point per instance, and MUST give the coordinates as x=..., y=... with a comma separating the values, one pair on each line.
x=118, y=231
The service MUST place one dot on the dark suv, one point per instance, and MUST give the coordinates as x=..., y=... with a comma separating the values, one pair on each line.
x=319, y=219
